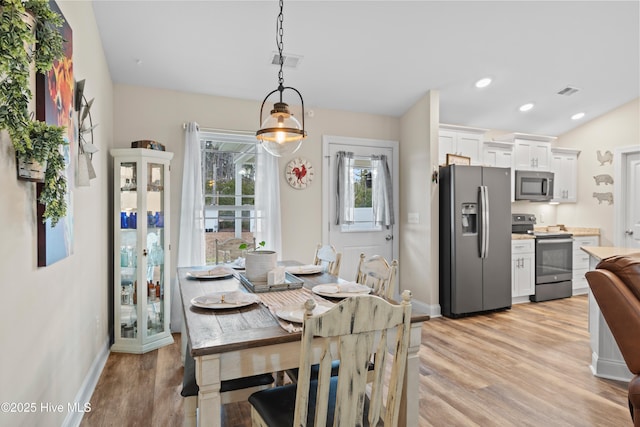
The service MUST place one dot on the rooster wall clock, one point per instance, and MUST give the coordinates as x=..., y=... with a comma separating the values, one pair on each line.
x=299, y=173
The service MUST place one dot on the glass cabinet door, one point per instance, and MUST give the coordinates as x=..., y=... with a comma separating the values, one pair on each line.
x=154, y=246
x=128, y=250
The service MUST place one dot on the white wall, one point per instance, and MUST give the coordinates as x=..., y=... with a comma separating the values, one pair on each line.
x=53, y=320
x=618, y=128
x=419, y=242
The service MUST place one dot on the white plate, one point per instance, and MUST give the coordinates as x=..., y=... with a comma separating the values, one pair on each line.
x=304, y=269
x=222, y=300
x=213, y=273
x=295, y=312
x=341, y=290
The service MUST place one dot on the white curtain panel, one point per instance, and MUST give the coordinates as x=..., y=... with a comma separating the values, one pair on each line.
x=267, y=192
x=345, y=199
x=382, y=191
x=191, y=242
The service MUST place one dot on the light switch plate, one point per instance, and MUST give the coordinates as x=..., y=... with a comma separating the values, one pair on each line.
x=414, y=218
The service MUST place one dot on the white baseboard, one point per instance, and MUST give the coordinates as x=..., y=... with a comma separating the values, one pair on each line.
x=433, y=310
x=610, y=369
x=83, y=397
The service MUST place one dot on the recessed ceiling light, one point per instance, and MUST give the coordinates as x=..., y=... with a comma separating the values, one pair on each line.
x=483, y=82
x=577, y=116
x=526, y=107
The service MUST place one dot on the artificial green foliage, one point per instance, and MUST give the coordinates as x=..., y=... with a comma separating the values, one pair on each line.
x=54, y=189
x=244, y=246
x=47, y=142
x=17, y=52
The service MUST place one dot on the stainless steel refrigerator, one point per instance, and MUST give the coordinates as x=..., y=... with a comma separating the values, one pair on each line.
x=475, y=239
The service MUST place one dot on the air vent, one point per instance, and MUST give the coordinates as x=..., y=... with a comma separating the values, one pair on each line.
x=288, y=60
x=568, y=91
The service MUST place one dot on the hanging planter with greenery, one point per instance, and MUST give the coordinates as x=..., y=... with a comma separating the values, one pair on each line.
x=30, y=38
x=47, y=142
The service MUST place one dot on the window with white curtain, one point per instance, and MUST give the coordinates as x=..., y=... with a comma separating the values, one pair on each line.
x=362, y=179
x=228, y=174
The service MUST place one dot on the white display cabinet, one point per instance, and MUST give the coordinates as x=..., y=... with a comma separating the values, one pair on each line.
x=141, y=249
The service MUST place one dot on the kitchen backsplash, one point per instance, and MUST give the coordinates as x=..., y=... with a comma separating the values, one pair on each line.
x=544, y=212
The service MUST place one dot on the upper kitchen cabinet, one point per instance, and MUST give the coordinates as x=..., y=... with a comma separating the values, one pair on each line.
x=497, y=154
x=531, y=152
x=461, y=141
x=564, y=165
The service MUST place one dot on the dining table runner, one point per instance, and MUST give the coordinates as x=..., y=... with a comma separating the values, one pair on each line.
x=280, y=299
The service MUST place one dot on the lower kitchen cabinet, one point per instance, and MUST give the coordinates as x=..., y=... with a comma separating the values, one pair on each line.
x=523, y=255
x=581, y=262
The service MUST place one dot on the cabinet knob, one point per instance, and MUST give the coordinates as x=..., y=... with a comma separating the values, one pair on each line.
x=628, y=232
x=144, y=252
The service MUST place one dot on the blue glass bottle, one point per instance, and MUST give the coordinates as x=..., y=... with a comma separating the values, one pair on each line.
x=124, y=223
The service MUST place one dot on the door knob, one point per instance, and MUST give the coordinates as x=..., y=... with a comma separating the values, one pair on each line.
x=388, y=237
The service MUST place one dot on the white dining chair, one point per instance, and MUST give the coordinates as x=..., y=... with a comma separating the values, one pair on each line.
x=350, y=332
x=232, y=245
x=328, y=258
x=378, y=274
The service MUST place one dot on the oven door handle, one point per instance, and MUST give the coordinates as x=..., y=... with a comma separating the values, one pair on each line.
x=550, y=241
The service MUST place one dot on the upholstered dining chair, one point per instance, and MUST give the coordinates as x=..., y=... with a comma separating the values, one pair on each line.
x=378, y=274
x=615, y=284
x=236, y=390
x=329, y=258
x=233, y=246
x=348, y=332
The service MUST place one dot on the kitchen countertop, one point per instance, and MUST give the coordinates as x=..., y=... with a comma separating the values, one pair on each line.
x=602, y=252
x=583, y=231
x=516, y=236
x=576, y=231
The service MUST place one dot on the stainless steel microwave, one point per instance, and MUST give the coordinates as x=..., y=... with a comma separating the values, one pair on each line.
x=534, y=186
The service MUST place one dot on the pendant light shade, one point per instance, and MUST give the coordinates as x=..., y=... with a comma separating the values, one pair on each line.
x=281, y=133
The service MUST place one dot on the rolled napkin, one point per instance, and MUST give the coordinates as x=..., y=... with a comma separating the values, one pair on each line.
x=346, y=287
x=231, y=298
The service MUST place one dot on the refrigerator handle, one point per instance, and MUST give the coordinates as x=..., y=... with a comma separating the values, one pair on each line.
x=484, y=221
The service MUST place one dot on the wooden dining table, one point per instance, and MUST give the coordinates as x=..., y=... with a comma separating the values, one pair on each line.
x=240, y=342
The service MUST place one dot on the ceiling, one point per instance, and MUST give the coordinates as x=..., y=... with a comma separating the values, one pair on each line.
x=380, y=57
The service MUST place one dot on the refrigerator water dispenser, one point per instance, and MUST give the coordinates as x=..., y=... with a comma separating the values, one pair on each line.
x=469, y=213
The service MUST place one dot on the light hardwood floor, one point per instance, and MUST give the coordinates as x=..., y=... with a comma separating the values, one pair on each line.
x=528, y=366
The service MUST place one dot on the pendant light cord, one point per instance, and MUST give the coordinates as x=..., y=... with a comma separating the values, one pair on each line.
x=280, y=44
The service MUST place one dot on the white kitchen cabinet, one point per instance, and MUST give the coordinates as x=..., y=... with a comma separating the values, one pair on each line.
x=497, y=154
x=523, y=255
x=531, y=152
x=581, y=262
x=532, y=155
x=564, y=165
x=141, y=249
x=461, y=141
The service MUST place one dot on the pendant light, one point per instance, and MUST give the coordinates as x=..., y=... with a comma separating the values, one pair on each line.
x=281, y=133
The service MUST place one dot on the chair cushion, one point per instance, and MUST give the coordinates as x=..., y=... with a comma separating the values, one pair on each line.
x=276, y=405
x=627, y=268
x=190, y=388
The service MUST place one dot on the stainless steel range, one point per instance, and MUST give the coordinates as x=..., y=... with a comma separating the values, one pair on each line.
x=554, y=259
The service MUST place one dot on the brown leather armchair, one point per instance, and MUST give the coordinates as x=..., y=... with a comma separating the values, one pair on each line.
x=616, y=287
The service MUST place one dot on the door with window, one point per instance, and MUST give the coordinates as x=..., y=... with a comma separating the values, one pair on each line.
x=627, y=198
x=361, y=229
